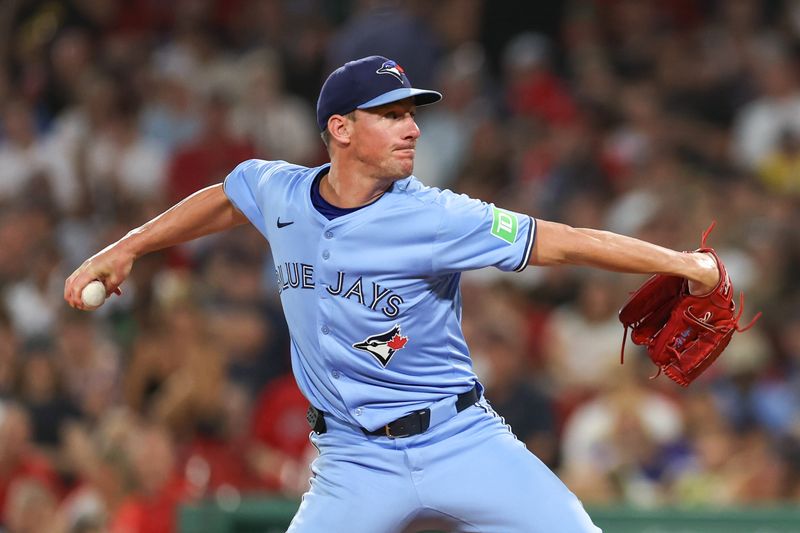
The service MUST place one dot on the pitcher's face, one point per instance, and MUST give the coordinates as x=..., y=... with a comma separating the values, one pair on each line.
x=385, y=138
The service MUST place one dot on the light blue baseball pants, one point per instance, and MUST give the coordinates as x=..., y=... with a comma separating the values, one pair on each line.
x=467, y=474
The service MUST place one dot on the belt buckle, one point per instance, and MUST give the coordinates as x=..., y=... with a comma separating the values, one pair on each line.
x=414, y=424
x=388, y=431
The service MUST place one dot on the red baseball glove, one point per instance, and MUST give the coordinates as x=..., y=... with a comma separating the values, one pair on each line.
x=684, y=334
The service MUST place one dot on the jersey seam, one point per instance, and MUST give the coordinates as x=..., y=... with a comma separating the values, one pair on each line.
x=252, y=199
x=433, y=201
x=230, y=198
x=435, y=242
x=424, y=505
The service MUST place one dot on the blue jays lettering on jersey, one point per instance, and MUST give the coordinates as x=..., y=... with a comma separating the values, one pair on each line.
x=347, y=286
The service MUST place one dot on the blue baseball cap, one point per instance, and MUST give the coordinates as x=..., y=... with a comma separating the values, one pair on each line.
x=364, y=83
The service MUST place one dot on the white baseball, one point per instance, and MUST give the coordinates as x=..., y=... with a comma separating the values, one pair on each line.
x=93, y=294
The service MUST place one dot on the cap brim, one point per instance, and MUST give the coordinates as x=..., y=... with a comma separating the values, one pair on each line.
x=421, y=97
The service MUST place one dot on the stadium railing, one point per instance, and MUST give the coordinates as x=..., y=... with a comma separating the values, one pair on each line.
x=272, y=515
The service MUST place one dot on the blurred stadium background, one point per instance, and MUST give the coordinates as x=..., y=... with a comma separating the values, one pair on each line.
x=649, y=118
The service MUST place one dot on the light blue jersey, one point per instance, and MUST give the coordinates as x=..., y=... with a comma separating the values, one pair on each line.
x=373, y=304
x=372, y=297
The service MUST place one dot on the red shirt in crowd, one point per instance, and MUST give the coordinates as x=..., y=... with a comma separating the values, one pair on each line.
x=152, y=514
x=30, y=466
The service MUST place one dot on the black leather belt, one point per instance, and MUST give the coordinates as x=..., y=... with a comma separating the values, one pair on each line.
x=405, y=426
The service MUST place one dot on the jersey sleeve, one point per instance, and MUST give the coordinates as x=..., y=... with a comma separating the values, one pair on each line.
x=473, y=234
x=246, y=188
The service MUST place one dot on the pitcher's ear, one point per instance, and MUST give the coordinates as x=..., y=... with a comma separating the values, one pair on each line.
x=340, y=128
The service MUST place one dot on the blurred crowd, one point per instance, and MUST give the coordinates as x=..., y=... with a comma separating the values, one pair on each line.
x=646, y=118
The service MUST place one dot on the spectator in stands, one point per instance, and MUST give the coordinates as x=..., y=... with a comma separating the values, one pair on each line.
x=579, y=365
x=280, y=125
x=161, y=488
x=31, y=508
x=123, y=164
x=450, y=127
x=40, y=390
x=176, y=376
x=626, y=430
x=532, y=88
x=9, y=356
x=761, y=124
x=29, y=301
x=100, y=467
x=27, y=160
x=279, y=445
x=20, y=460
x=523, y=405
x=411, y=40
x=209, y=157
x=89, y=363
x=780, y=168
x=171, y=117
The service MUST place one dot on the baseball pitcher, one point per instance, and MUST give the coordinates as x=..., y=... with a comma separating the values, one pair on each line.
x=368, y=262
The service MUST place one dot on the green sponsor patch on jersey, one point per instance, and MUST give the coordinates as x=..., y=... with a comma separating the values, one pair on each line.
x=504, y=225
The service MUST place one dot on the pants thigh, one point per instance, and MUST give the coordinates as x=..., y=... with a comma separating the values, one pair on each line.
x=493, y=484
x=356, y=487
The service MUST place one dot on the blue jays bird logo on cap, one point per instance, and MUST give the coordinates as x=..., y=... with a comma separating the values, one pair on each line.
x=390, y=67
x=383, y=345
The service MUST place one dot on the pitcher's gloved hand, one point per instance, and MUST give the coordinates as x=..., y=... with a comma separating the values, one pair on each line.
x=684, y=333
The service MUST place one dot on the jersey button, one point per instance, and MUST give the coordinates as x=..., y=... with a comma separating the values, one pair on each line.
x=326, y=254
x=335, y=374
x=325, y=330
x=329, y=235
x=358, y=411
